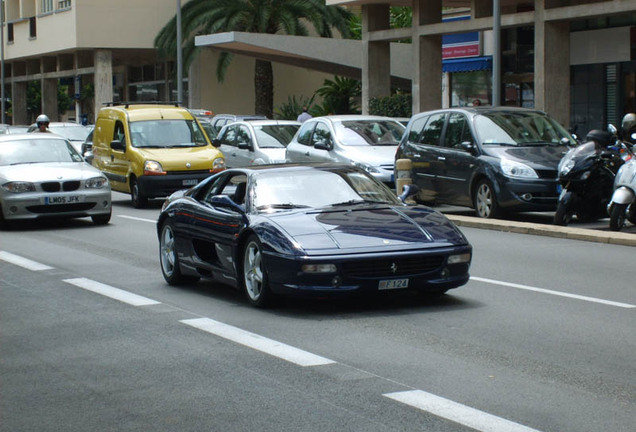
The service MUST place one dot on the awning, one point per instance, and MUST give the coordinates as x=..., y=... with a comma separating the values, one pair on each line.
x=467, y=64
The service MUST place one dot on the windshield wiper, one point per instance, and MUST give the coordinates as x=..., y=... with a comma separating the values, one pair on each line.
x=281, y=206
x=356, y=202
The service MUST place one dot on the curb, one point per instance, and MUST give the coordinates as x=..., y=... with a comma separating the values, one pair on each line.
x=615, y=238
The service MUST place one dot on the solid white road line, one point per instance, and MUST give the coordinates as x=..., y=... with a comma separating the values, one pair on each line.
x=457, y=412
x=23, y=262
x=112, y=292
x=137, y=218
x=257, y=342
x=556, y=293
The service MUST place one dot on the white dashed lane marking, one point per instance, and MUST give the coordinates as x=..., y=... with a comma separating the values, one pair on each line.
x=112, y=292
x=257, y=342
x=23, y=262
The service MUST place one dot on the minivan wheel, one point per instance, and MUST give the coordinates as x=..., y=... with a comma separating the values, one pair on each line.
x=485, y=201
x=138, y=200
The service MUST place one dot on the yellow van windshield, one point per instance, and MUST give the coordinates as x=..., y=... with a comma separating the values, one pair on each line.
x=166, y=134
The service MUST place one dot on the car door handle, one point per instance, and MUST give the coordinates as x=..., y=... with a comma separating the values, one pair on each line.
x=307, y=154
x=441, y=158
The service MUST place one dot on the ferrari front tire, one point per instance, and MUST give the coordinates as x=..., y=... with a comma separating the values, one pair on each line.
x=254, y=274
x=169, y=258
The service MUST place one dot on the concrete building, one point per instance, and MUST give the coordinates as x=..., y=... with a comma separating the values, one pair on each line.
x=106, y=47
x=571, y=58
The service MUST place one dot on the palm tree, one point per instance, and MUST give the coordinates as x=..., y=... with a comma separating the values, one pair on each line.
x=290, y=17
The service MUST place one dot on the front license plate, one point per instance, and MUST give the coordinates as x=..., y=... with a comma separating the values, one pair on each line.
x=190, y=182
x=70, y=199
x=393, y=284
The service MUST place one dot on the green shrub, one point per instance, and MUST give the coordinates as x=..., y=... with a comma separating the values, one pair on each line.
x=398, y=105
x=292, y=108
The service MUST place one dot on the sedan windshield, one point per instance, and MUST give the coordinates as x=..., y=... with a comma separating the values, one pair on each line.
x=73, y=133
x=519, y=129
x=37, y=151
x=318, y=188
x=275, y=136
x=166, y=134
x=369, y=132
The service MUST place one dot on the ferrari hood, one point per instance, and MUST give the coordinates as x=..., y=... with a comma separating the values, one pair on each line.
x=371, y=227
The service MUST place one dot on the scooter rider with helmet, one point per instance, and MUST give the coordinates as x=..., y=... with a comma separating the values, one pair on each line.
x=43, y=123
x=628, y=129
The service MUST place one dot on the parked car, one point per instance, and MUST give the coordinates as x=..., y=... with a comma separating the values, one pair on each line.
x=368, y=142
x=307, y=230
x=255, y=142
x=491, y=159
x=42, y=175
x=74, y=132
x=217, y=122
x=201, y=114
x=150, y=151
x=86, y=148
x=16, y=129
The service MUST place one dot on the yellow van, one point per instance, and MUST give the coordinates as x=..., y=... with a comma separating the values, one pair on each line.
x=151, y=151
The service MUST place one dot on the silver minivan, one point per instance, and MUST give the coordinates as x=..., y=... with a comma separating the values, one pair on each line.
x=255, y=142
x=369, y=142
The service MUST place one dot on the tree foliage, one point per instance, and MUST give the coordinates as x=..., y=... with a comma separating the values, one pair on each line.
x=199, y=17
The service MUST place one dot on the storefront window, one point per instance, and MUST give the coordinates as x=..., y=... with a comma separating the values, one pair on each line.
x=469, y=87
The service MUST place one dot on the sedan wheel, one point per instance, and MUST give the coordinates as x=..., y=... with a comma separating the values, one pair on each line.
x=170, y=260
x=254, y=275
x=485, y=201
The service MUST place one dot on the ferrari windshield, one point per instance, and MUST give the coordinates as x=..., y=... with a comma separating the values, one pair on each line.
x=318, y=188
x=369, y=132
x=37, y=151
x=166, y=133
x=519, y=129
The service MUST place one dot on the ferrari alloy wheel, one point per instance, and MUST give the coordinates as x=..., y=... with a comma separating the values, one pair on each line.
x=485, y=201
x=254, y=275
x=169, y=258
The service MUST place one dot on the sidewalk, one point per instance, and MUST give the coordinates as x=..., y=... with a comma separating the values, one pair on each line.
x=624, y=238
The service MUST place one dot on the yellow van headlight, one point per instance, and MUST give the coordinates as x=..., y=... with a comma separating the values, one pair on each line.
x=218, y=164
x=153, y=168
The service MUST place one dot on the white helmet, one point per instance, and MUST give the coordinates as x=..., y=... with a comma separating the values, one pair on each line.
x=42, y=118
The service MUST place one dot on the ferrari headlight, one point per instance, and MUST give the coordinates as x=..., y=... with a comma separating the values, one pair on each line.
x=517, y=169
x=459, y=259
x=153, y=168
x=19, y=187
x=218, y=164
x=318, y=268
x=96, y=183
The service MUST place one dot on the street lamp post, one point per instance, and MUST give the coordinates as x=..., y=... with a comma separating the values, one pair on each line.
x=2, y=59
x=179, y=60
x=496, y=55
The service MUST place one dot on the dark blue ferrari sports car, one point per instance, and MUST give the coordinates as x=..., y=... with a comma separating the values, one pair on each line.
x=307, y=230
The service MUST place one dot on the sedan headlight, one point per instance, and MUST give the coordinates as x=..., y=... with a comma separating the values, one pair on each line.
x=153, y=168
x=96, y=183
x=19, y=187
x=367, y=168
x=517, y=169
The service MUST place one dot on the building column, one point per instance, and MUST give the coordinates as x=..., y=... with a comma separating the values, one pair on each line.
x=19, y=103
x=103, y=77
x=427, y=52
x=49, y=98
x=551, y=66
x=376, y=56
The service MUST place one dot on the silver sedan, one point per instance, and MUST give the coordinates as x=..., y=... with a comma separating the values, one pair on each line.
x=42, y=175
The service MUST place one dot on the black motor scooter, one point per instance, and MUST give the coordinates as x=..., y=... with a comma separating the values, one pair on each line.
x=586, y=177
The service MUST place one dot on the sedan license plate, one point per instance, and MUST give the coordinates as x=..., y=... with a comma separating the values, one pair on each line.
x=70, y=199
x=393, y=284
x=190, y=182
